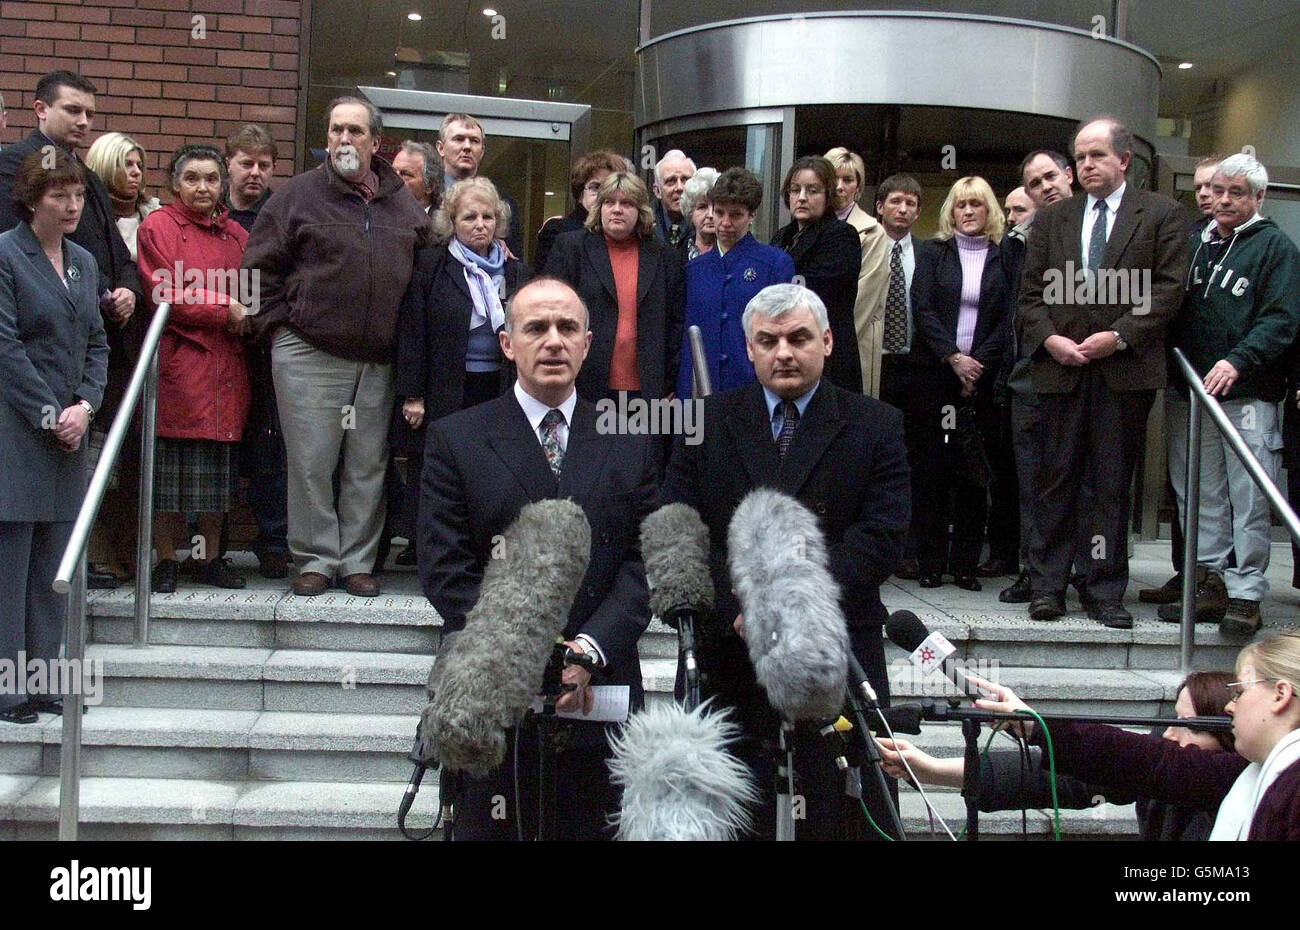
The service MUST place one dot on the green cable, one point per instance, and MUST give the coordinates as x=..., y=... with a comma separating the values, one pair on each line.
x=1051, y=768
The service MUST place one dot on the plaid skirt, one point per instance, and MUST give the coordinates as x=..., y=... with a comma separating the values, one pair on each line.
x=194, y=475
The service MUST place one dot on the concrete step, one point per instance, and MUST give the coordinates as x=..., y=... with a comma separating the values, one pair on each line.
x=172, y=809
x=1103, y=822
x=199, y=809
x=241, y=678
x=401, y=621
x=141, y=742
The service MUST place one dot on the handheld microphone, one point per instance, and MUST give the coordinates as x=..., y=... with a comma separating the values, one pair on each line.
x=675, y=549
x=678, y=780
x=797, y=637
x=486, y=675
x=927, y=651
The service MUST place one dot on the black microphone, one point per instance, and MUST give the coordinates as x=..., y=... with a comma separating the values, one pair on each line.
x=797, y=637
x=927, y=651
x=486, y=675
x=675, y=549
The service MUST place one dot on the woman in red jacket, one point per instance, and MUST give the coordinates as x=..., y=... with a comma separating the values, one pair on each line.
x=1253, y=792
x=189, y=255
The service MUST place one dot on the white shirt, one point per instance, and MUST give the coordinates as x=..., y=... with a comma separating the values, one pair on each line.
x=534, y=409
x=1090, y=216
x=907, y=255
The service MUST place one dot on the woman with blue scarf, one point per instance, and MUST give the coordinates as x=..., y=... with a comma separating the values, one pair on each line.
x=448, y=353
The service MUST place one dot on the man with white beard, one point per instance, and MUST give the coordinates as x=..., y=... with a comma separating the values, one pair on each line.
x=334, y=248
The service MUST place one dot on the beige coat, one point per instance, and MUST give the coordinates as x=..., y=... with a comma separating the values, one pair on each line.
x=873, y=284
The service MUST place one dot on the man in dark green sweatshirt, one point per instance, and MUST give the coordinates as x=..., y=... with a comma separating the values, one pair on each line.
x=1239, y=318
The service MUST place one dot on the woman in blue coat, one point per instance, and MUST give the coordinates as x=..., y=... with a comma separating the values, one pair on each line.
x=722, y=281
x=53, y=367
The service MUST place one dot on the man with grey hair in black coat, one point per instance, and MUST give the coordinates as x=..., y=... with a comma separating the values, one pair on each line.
x=843, y=459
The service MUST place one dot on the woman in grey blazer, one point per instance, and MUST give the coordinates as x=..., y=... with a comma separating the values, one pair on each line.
x=53, y=366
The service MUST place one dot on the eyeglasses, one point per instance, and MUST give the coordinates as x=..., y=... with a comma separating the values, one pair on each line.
x=1237, y=688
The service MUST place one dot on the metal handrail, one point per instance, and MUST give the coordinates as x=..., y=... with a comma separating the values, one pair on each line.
x=1201, y=398
x=71, y=577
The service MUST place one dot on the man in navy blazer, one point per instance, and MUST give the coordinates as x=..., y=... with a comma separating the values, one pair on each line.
x=846, y=462
x=482, y=466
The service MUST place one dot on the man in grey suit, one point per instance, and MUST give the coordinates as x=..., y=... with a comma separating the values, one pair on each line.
x=1103, y=278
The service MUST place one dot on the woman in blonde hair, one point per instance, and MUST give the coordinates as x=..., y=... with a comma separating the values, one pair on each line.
x=119, y=161
x=1254, y=792
x=632, y=286
x=961, y=301
x=873, y=271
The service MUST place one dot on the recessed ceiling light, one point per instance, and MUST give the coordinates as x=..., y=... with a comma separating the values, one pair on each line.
x=391, y=73
x=488, y=11
x=550, y=193
x=1185, y=65
x=414, y=17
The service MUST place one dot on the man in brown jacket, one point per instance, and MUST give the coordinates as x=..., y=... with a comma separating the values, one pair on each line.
x=333, y=249
x=1103, y=278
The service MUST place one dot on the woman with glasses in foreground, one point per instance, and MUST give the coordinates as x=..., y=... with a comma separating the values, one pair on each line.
x=1254, y=792
x=1009, y=781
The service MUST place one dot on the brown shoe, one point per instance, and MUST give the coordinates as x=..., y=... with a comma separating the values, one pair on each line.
x=1171, y=592
x=361, y=584
x=309, y=584
x=1242, y=619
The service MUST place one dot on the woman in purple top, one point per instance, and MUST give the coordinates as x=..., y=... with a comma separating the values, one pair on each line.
x=1254, y=792
x=961, y=297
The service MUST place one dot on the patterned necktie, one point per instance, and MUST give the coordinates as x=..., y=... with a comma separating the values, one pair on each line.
x=895, y=338
x=1097, y=241
x=789, y=421
x=550, y=432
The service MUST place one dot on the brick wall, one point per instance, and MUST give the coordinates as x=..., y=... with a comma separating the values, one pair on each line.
x=168, y=71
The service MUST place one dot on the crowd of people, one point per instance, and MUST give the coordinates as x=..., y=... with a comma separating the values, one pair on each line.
x=366, y=345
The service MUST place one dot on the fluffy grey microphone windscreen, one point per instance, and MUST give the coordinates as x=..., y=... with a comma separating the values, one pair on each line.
x=798, y=640
x=678, y=780
x=675, y=548
x=486, y=676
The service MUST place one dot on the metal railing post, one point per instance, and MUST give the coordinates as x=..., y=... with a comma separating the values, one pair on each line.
x=1201, y=400
x=144, y=510
x=74, y=651
x=1191, y=527
x=71, y=576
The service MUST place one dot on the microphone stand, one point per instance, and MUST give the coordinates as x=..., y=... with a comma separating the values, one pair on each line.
x=785, y=785
x=972, y=717
x=684, y=620
x=549, y=735
x=860, y=703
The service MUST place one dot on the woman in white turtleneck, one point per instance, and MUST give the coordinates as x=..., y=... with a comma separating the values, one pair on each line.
x=119, y=161
x=962, y=295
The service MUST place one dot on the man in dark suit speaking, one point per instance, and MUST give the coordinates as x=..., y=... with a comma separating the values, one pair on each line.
x=1103, y=278
x=482, y=466
x=839, y=453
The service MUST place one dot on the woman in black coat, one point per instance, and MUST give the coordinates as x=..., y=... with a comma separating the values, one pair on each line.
x=448, y=351
x=633, y=287
x=827, y=256
x=961, y=297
